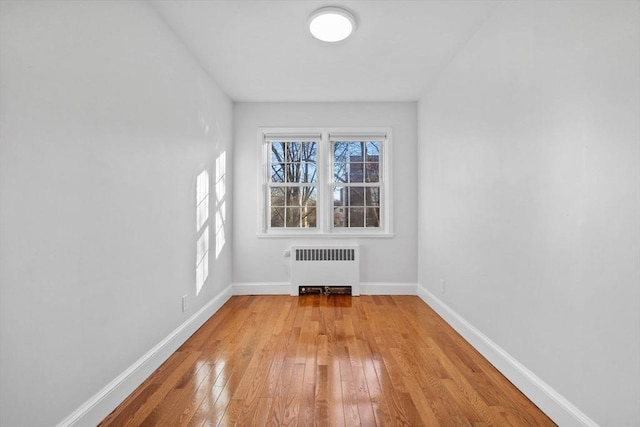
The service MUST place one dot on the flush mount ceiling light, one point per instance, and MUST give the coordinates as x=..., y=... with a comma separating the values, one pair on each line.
x=331, y=24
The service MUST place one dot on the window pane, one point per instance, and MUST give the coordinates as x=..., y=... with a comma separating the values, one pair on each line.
x=290, y=172
x=309, y=153
x=356, y=217
x=356, y=196
x=340, y=152
x=356, y=151
x=373, y=151
x=277, y=172
x=277, y=196
x=309, y=202
x=292, y=217
x=293, y=196
x=294, y=172
x=372, y=172
x=309, y=196
x=372, y=196
x=277, y=152
x=293, y=151
x=340, y=172
x=373, y=217
x=308, y=172
x=340, y=196
x=339, y=217
x=356, y=172
x=308, y=217
x=277, y=217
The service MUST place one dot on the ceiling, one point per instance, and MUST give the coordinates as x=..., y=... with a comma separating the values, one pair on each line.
x=261, y=50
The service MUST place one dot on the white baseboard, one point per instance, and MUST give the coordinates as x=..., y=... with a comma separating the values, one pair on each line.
x=94, y=410
x=283, y=288
x=260, y=288
x=376, y=288
x=559, y=409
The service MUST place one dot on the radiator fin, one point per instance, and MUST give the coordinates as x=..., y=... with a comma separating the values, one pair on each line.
x=325, y=254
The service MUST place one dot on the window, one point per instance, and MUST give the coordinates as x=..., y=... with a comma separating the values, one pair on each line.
x=325, y=181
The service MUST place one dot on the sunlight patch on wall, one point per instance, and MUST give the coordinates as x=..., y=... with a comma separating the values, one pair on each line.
x=220, y=221
x=202, y=199
x=221, y=172
x=220, y=215
x=202, y=265
x=202, y=215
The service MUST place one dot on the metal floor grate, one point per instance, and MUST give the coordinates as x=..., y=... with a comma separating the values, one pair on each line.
x=325, y=290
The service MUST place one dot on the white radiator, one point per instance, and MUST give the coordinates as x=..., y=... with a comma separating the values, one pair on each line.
x=325, y=266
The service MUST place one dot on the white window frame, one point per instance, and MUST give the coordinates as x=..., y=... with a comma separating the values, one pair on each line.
x=324, y=209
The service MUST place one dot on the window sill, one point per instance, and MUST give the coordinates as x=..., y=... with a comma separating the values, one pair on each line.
x=321, y=235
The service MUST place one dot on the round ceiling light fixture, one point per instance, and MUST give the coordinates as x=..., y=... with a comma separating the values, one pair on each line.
x=331, y=24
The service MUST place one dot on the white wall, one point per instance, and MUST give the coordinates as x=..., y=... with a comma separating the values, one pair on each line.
x=260, y=260
x=105, y=122
x=530, y=195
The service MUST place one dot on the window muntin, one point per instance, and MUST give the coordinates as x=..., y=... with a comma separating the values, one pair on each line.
x=318, y=182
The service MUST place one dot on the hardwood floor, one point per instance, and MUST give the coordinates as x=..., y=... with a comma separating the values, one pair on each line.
x=326, y=361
